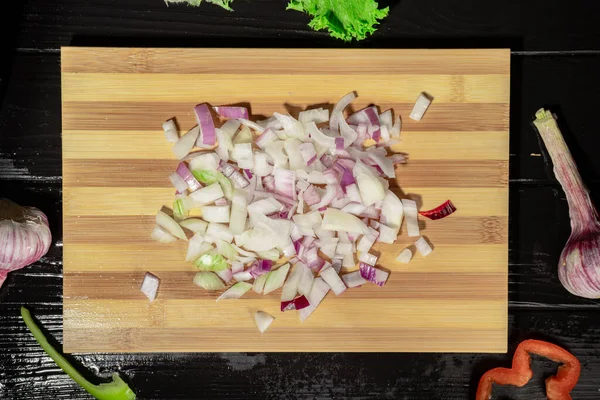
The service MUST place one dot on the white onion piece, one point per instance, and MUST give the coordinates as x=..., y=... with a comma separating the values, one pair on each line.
x=242, y=154
x=265, y=138
x=348, y=260
x=237, y=266
x=220, y=231
x=196, y=247
x=368, y=258
x=276, y=278
x=285, y=181
x=289, y=250
x=343, y=248
x=275, y=151
x=252, y=125
x=236, y=291
x=206, y=124
x=411, y=216
x=206, y=161
x=178, y=182
x=244, y=136
x=230, y=127
x=185, y=143
x=207, y=194
x=385, y=119
x=265, y=206
x=242, y=276
x=292, y=149
x=239, y=212
x=161, y=235
x=171, y=132
x=226, y=250
x=370, y=188
x=353, y=279
x=367, y=241
x=405, y=256
x=336, y=264
x=316, y=115
x=259, y=283
x=392, y=211
x=292, y=127
x=354, y=208
x=226, y=275
x=261, y=164
x=165, y=221
x=336, y=114
x=379, y=156
x=216, y=213
x=336, y=220
x=225, y=145
x=423, y=246
x=306, y=279
x=195, y=225
x=150, y=286
x=208, y=281
x=387, y=234
x=290, y=288
x=421, y=105
x=395, y=131
x=328, y=247
x=367, y=116
x=331, y=277
x=316, y=295
x=270, y=122
x=348, y=133
x=319, y=137
x=257, y=239
x=353, y=194
x=308, y=153
x=263, y=320
x=385, y=137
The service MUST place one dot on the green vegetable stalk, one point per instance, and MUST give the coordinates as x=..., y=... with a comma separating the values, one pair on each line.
x=115, y=390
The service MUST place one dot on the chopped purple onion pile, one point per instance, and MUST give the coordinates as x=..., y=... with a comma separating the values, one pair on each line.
x=287, y=202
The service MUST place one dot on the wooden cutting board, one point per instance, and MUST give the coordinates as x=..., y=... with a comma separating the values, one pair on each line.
x=116, y=164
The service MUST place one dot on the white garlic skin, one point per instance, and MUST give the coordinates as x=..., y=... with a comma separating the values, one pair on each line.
x=579, y=265
x=24, y=236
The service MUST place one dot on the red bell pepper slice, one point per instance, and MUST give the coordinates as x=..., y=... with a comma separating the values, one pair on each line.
x=558, y=387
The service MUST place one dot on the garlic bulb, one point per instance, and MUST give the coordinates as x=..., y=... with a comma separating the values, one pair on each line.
x=579, y=264
x=24, y=236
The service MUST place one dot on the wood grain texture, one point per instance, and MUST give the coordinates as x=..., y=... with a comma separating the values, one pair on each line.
x=109, y=200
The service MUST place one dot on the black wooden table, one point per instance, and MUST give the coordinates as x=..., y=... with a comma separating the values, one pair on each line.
x=555, y=62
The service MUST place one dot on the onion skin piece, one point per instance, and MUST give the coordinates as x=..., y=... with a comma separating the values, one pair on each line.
x=24, y=236
x=579, y=263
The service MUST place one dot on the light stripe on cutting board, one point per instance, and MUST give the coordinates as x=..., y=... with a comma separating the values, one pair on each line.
x=136, y=116
x=207, y=313
x=273, y=61
x=184, y=88
x=122, y=256
x=155, y=173
x=179, y=285
x=137, y=145
x=104, y=201
x=473, y=340
x=137, y=229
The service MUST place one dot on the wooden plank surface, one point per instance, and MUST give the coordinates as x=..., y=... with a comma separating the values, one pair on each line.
x=111, y=195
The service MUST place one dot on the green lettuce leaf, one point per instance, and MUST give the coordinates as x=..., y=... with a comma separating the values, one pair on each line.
x=226, y=4
x=344, y=19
